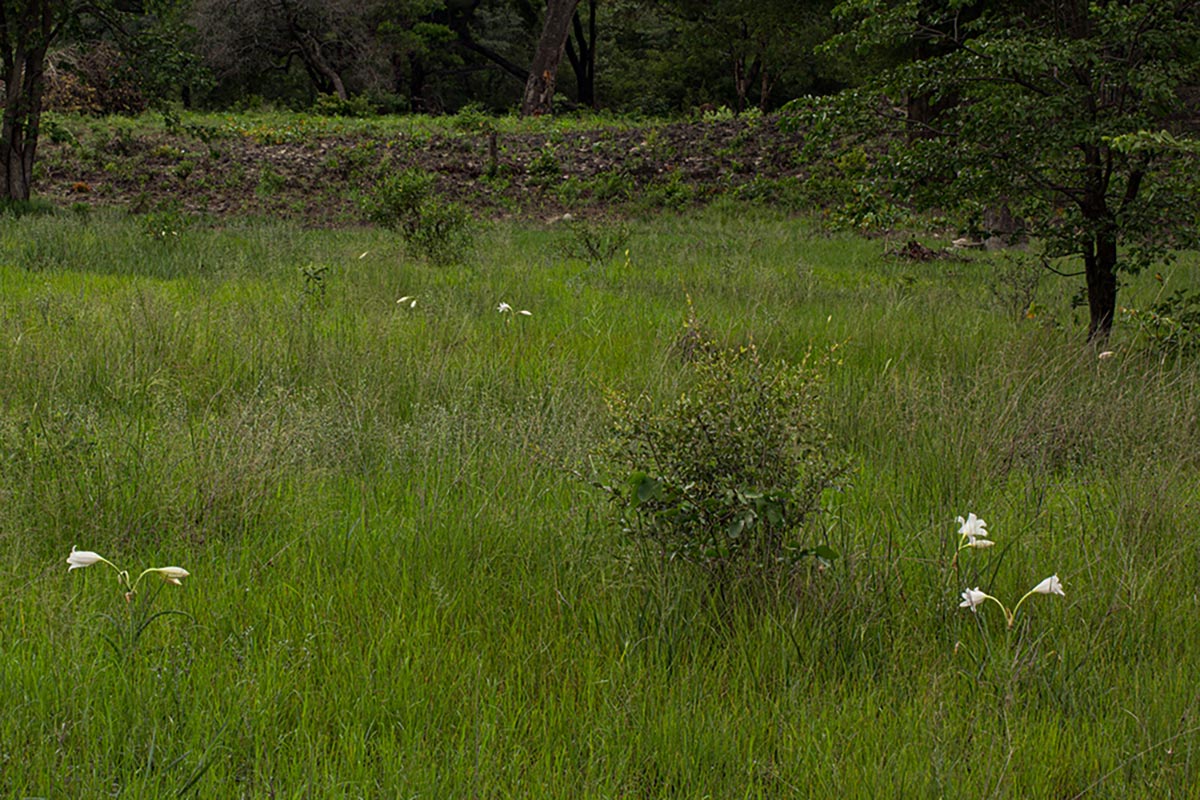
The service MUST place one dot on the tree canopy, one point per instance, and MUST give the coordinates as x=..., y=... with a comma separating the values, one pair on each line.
x=1028, y=103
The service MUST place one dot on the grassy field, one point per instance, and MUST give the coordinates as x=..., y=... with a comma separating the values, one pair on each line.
x=399, y=589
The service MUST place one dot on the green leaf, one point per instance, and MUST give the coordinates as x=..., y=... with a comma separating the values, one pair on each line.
x=826, y=553
x=646, y=488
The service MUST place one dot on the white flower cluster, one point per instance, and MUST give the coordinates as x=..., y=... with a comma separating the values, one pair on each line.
x=973, y=534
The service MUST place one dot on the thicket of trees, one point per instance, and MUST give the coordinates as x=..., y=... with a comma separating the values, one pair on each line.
x=649, y=56
x=1041, y=105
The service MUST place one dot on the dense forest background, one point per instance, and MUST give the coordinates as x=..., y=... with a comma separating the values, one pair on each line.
x=650, y=57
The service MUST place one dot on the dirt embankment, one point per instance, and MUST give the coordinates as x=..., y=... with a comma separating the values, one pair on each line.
x=317, y=180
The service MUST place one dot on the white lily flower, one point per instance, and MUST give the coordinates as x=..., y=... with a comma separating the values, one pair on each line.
x=1051, y=585
x=404, y=299
x=973, y=598
x=525, y=313
x=173, y=575
x=972, y=528
x=82, y=558
x=979, y=543
x=1106, y=355
x=504, y=308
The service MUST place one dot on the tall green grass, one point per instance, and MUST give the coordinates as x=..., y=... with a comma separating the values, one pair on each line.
x=400, y=588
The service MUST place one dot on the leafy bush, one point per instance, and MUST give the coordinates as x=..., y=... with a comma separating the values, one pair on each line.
x=594, y=244
x=672, y=193
x=330, y=105
x=1170, y=326
x=731, y=475
x=405, y=202
x=544, y=168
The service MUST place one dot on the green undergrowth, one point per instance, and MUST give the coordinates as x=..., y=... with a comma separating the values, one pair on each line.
x=404, y=584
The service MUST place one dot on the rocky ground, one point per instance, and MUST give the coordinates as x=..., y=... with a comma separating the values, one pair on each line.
x=318, y=179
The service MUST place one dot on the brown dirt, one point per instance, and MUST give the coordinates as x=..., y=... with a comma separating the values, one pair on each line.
x=316, y=181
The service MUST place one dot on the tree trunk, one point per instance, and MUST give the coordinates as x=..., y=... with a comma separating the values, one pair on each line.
x=743, y=77
x=765, y=90
x=310, y=52
x=26, y=37
x=539, y=89
x=1100, y=268
x=308, y=47
x=583, y=56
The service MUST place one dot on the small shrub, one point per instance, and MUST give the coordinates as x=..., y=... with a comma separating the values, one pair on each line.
x=270, y=182
x=330, y=105
x=786, y=193
x=53, y=128
x=672, y=193
x=1171, y=326
x=545, y=167
x=405, y=202
x=731, y=475
x=395, y=202
x=596, y=245
x=1014, y=281
x=612, y=187
x=444, y=234
x=473, y=118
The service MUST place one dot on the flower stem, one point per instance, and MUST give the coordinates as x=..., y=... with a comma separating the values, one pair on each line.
x=1018, y=605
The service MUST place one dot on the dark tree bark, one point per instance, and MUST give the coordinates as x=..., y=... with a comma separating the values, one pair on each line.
x=581, y=52
x=743, y=77
x=26, y=31
x=1100, y=251
x=543, y=73
x=309, y=47
x=1100, y=268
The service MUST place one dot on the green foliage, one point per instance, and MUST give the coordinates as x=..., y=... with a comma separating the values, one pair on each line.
x=1042, y=107
x=54, y=129
x=270, y=182
x=1014, y=282
x=1170, y=327
x=732, y=474
x=545, y=168
x=405, y=202
x=595, y=244
x=396, y=201
x=330, y=105
x=672, y=192
x=473, y=118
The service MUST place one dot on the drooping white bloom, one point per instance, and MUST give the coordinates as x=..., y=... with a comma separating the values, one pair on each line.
x=525, y=313
x=404, y=299
x=1106, y=355
x=82, y=558
x=1051, y=585
x=973, y=598
x=173, y=575
x=980, y=543
x=504, y=308
x=972, y=528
